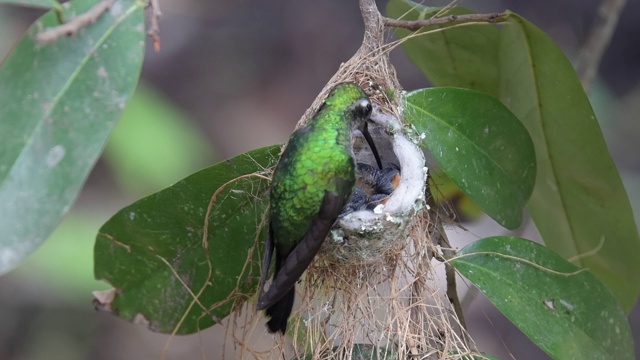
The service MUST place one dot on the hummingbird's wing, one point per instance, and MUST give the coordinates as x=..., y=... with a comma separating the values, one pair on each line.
x=266, y=261
x=302, y=255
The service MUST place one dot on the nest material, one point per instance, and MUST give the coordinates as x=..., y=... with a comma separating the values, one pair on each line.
x=392, y=305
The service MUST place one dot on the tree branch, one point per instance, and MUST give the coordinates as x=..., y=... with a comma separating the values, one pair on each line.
x=154, y=28
x=373, y=24
x=598, y=40
x=72, y=26
x=417, y=24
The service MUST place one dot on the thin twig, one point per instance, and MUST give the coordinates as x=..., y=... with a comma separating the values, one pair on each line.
x=154, y=28
x=450, y=272
x=373, y=24
x=598, y=40
x=452, y=288
x=71, y=28
x=417, y=24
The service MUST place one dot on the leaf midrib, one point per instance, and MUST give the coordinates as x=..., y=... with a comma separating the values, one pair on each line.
x=552, y=164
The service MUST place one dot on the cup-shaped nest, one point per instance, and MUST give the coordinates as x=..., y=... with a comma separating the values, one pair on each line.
x=377, y=219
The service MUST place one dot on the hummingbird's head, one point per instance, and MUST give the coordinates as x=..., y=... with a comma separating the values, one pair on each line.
x=350, y=99
x=359, y=112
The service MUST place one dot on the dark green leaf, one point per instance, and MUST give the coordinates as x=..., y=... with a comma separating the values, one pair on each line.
x=579, y=204
x=480, y=144
x=59, y=103
x=566, y=312
x=462, y=56
x=152, y=250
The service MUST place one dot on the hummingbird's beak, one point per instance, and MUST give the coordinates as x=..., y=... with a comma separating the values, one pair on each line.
x=367, y=136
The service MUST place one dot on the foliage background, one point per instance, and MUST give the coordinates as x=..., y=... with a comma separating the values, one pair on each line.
x=237, y=75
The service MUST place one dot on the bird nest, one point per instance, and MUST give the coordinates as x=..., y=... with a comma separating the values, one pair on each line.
x=363, y=236
x=371, y=290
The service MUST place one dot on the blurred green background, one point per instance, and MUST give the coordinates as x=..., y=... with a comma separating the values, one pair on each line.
x=233, y=76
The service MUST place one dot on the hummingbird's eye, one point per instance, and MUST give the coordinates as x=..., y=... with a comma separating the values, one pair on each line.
x=363, y=108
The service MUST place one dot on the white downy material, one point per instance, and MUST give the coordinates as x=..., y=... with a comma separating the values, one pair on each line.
x=362, y=236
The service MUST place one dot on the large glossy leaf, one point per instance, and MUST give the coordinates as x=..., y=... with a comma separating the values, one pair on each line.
x=579, y=204
x=59, y=103
x=480, y=144
x=566, y=312
x=152, y=252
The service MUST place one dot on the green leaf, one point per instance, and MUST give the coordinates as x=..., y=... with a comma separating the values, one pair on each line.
x=152, y=251
x=481, y=146
x=154, y=145
x=462, y=56
x=46, y=4
x=59, y=103
x=579, y=204
x=568, y=313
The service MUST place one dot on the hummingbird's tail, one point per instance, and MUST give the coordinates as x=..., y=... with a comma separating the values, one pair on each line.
x=280, y=311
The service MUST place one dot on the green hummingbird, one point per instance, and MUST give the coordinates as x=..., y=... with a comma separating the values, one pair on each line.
x=311, y=185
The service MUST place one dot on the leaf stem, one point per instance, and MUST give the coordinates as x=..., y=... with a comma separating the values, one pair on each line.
x=417, y=24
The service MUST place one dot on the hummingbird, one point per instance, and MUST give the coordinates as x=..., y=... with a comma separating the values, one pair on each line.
x=311, y=184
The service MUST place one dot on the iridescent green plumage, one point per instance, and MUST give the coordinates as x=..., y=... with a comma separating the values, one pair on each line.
x=310, y=186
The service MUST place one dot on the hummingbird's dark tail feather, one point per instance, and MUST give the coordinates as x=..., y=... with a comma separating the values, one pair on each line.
x=280, y=312
x=281, y=309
